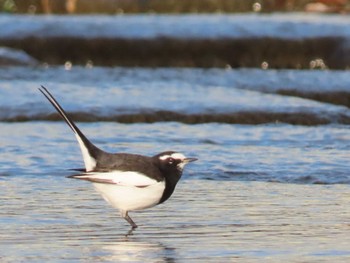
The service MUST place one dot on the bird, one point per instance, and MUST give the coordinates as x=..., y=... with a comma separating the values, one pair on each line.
x=126, y=181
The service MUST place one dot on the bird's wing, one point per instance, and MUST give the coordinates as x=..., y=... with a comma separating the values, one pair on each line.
x=90, y=152
x=122, y=178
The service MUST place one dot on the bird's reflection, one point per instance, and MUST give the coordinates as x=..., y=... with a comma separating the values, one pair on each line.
x=130, y=232
x=131, y=249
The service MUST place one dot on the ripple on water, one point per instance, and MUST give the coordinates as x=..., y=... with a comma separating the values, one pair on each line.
x=204, y=220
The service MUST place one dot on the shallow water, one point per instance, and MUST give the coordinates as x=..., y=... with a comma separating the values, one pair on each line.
x=205, y=220
x=245, y=96
x=273, y=153
x=261, y=192
x=228, y=207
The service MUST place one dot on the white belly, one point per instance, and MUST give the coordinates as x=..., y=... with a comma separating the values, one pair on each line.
x=128, y=198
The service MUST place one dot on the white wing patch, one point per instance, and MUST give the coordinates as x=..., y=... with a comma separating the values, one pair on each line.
x=119, y=178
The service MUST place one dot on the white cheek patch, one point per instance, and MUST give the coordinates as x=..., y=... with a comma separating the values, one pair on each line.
x=181, y=165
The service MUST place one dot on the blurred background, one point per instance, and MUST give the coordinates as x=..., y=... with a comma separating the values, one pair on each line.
x=201, y=33
x=258, y=91
x=171, y=6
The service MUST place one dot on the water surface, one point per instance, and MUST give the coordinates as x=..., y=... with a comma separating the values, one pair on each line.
x=268, y=191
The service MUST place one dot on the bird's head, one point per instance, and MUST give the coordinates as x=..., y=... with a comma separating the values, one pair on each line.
x=171, y=162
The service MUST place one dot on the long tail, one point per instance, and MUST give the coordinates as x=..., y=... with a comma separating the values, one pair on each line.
x=90, y=152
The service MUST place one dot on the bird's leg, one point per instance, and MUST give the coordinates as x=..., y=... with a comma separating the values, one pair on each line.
x=128, y=218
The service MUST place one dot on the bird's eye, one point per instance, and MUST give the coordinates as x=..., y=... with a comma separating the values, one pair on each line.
x=170, y=161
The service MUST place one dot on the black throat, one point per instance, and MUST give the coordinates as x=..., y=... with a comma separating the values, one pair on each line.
x=171, y=179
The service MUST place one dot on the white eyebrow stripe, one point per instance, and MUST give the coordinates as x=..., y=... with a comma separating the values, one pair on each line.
x=178, y=156
x=164, y=157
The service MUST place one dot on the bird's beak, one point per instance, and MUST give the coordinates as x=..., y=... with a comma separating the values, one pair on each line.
x=188, y=160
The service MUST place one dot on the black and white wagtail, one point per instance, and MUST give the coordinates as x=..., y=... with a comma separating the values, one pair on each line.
x=127, y=181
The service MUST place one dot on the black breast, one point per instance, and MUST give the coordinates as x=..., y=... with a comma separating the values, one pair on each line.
x=171, y=179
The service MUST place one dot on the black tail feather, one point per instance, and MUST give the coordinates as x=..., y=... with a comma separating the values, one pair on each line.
x=94, y=151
